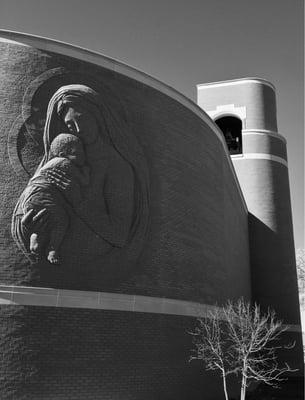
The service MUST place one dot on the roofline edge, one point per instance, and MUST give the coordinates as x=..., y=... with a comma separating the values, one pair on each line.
x=236, y=82
x=124, y=69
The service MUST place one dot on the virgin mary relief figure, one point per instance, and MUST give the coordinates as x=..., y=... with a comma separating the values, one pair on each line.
x=89, y=194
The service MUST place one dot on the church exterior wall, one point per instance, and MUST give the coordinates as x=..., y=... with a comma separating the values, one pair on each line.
x=194, y=250
x=192, y=188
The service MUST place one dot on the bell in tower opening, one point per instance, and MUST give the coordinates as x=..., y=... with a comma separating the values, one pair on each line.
x=231, y=129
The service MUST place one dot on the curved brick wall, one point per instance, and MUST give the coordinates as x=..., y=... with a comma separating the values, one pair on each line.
x=257, y=142
x=76, y=354
x=196, y=248
x=197, y=218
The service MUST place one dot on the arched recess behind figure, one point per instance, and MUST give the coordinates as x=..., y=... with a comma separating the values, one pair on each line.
x=231, y=128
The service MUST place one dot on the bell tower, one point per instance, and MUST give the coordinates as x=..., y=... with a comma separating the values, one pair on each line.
x=245, y=112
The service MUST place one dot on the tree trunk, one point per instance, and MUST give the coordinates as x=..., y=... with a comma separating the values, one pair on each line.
x=225, y=386
x=243, y=388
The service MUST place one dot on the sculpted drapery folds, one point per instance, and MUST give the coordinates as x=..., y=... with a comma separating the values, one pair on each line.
x=106, y=193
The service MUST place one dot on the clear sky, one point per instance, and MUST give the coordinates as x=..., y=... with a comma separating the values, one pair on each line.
x=186, y=42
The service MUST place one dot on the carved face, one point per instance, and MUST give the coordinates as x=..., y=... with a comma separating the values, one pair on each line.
x=81, y=124
x=77, y=155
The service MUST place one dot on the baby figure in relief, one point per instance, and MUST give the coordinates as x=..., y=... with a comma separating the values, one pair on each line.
x=67, y=156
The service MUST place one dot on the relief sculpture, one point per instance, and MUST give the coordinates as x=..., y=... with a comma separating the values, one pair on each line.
x=92, y=170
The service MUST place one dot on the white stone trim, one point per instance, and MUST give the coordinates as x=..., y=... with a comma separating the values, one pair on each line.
x=62, y=298
x=124, y=69
x=47, y=297
x=264, y=132
x=233, y=82
x=260, y=156
x=234, y=156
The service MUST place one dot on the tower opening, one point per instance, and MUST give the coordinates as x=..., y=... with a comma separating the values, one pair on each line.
x=231, y=128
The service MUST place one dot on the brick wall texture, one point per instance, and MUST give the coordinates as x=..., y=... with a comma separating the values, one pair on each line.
x=196, y=247
x=50, y=353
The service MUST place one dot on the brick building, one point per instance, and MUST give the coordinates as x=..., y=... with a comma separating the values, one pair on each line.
x=219, y=227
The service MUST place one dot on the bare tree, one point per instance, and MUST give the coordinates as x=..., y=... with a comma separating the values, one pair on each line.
x=210, y=341
x=239, y=339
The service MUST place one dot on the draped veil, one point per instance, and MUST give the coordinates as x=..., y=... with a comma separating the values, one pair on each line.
x=110, y=117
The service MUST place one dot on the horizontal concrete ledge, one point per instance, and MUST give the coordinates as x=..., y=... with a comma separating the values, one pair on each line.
x=39, y=296
x=47, y=297
x=259, y=156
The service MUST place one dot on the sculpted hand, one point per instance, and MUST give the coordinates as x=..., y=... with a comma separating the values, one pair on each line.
x=33, y=220
x=59, y=178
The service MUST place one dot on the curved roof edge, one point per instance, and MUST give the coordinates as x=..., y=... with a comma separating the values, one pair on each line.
x=238, y=82
x=84, y=54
